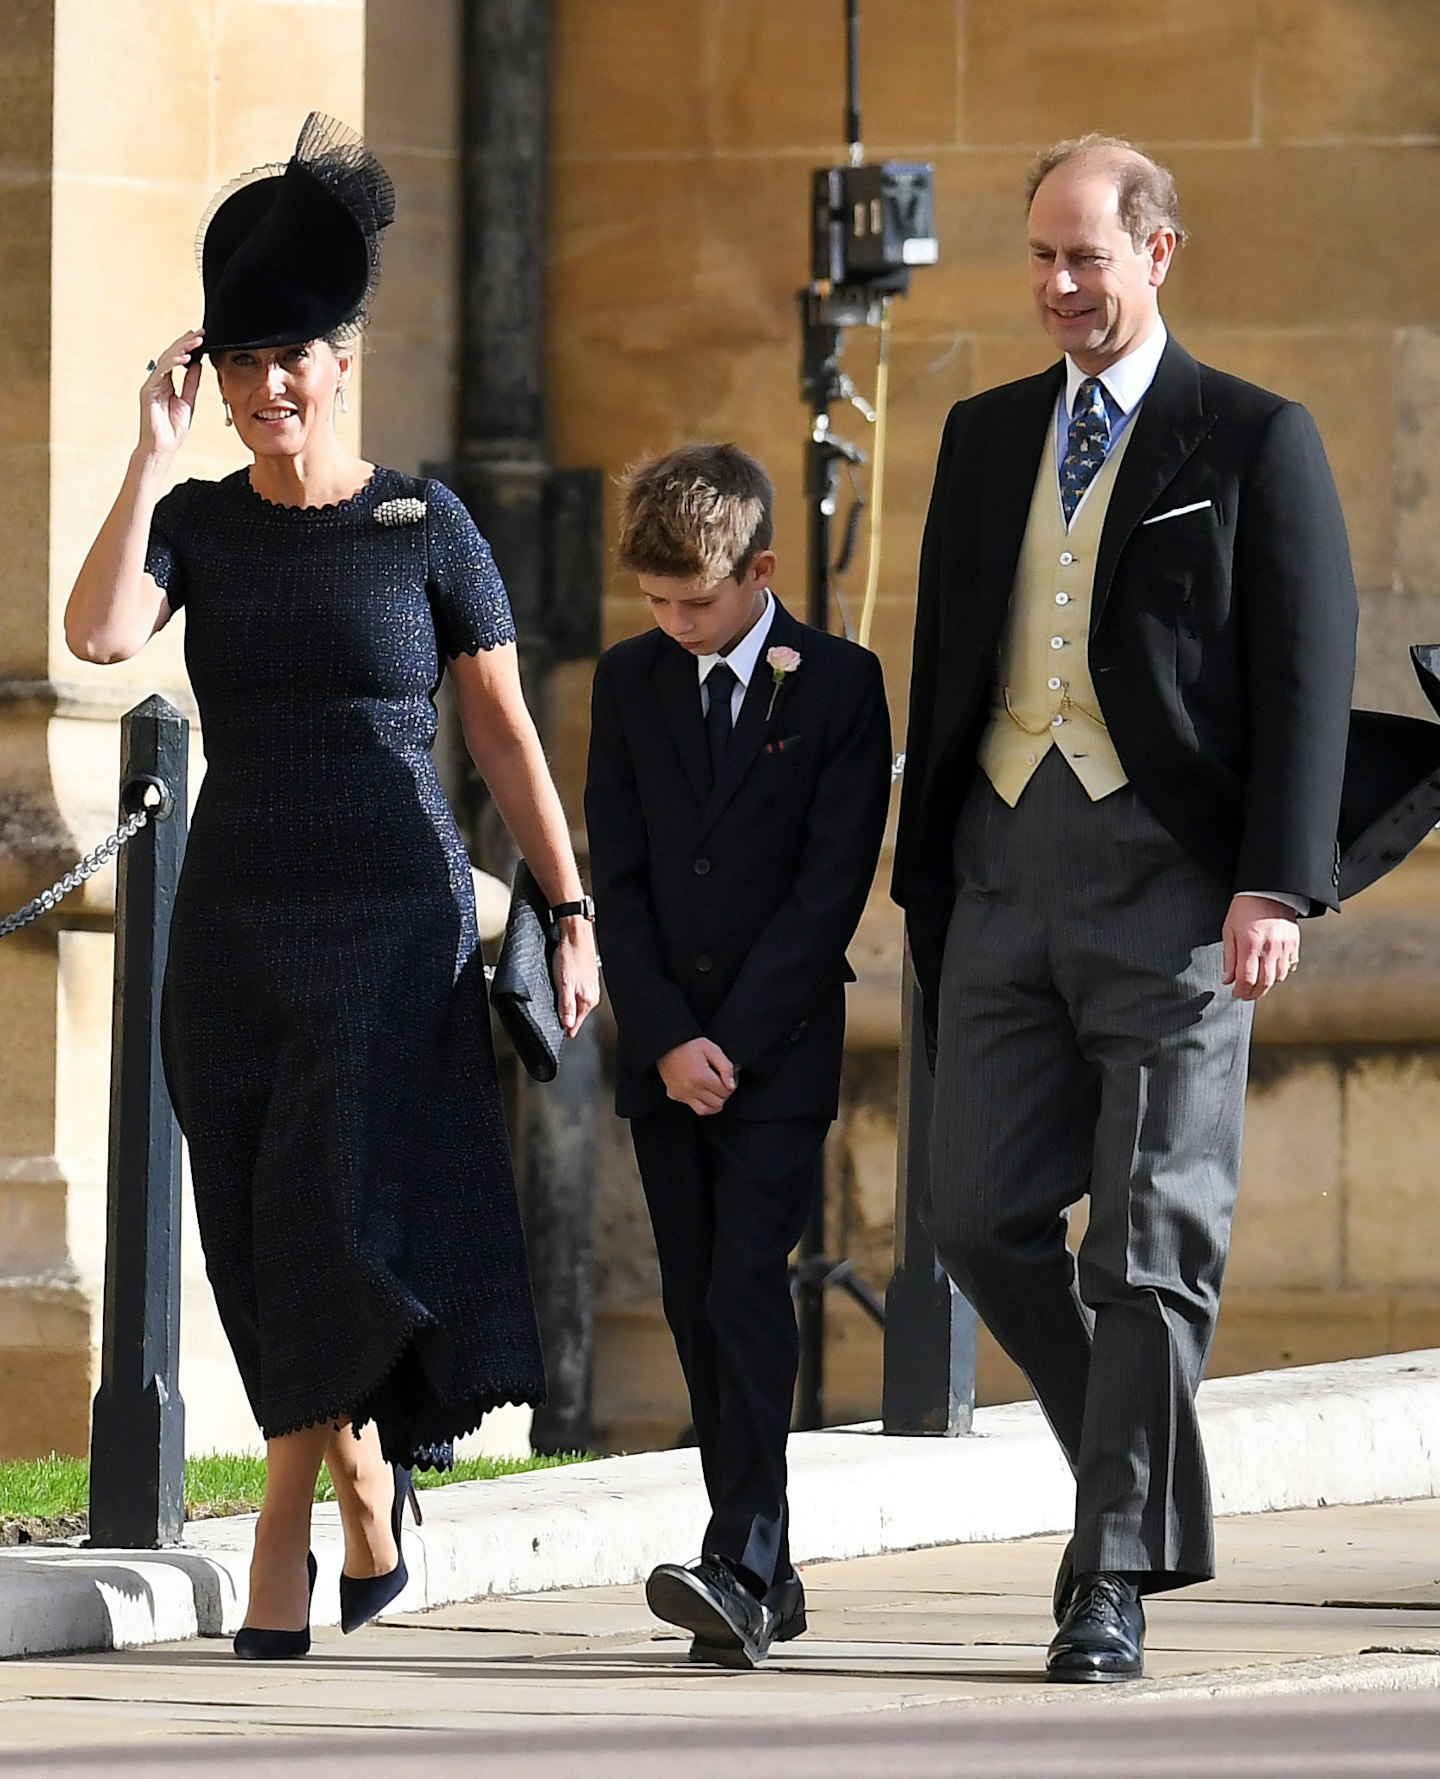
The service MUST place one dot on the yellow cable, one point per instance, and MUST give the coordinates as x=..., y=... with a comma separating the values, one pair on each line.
x=877, y=477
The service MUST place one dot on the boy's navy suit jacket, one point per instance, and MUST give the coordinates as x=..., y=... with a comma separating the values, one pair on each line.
x=724, y=909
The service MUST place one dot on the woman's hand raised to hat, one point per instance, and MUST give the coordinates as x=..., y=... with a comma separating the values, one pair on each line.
x=165, y=413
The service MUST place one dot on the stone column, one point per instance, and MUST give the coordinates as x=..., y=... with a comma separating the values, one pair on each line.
x=121, y=118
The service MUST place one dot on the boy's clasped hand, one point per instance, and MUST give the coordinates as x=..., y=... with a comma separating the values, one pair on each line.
x=698, y=1074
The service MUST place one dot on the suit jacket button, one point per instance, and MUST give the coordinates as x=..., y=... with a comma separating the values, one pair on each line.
x=704, y=962
x=795, y=1037
x=702, y=867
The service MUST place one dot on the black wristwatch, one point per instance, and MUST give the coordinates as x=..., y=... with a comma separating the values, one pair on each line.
x=585, y=908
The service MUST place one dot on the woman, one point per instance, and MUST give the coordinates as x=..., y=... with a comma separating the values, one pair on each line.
x=325, y=1029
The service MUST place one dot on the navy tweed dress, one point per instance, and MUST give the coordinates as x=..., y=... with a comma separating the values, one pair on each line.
x=325, y=1029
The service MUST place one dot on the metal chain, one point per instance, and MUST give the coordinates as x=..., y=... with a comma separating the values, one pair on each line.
x=76, y=875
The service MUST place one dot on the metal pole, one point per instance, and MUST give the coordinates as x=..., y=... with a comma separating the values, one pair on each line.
x=137, y=1442
x=929, y=1384
x=809, y=1286
x=820, y=477
x=852, y=80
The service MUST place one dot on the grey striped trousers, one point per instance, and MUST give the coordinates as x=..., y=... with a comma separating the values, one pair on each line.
x=1087, y=1046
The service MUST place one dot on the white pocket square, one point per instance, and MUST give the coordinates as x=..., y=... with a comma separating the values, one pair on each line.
x=1195, y=506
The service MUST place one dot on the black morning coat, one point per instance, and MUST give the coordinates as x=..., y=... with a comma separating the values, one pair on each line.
x=1222, y=645
x=724, y=910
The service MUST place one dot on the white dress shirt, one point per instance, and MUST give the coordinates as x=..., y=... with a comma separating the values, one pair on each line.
x=742, y=660
x=1124, y=385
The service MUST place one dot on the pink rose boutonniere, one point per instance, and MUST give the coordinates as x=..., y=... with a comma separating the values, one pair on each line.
x=781, y=662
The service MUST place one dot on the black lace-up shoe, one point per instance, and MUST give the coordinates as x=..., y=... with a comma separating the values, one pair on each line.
x=730, y=1626
x=1102, y=1636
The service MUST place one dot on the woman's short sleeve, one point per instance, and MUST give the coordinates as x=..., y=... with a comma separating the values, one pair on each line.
x=467, y=596
x=162, y=559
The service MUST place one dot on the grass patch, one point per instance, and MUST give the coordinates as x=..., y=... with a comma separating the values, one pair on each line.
x=219, y=1483
x=44, y=1488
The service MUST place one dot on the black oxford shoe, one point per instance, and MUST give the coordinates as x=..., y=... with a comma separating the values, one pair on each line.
x=730, y=1626
x=1102, y=1635
x=786, y=1599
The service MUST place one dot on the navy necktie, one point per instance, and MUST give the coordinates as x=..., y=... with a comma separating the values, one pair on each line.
x=1086, y=447
x=720, y=684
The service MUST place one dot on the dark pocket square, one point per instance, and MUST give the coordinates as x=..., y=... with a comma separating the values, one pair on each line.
x=787, y=744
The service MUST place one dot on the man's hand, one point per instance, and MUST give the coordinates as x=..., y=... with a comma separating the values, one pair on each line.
x=698, y=1075
x=1262, y=945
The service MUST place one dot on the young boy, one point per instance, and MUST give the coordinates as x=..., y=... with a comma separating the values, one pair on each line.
x=737, y=791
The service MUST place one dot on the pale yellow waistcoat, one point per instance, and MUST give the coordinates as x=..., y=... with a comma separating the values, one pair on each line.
x=1044, y=694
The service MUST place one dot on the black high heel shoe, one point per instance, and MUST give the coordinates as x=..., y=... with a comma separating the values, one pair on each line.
x=255, y=1645
x=367, y=1597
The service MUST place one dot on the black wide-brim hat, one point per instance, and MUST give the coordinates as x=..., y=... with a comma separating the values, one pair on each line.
x=1391, y=798
x=291, y=252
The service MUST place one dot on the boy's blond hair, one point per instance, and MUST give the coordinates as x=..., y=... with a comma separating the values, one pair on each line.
x=704, y=512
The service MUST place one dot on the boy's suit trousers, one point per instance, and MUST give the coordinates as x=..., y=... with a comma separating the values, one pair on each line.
x=729, y=1199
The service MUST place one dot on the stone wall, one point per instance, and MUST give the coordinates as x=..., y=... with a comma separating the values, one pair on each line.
x=1304, y=136
x=412, y=119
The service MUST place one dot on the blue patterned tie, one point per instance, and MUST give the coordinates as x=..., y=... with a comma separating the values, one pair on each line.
x=1087, y=444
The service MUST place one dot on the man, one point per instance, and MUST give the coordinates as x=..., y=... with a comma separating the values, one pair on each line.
x=1134, y=655
x=738, y=784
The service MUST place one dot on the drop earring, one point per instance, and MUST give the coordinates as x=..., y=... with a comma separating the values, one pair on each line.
x=229, y=417
x=342, y=399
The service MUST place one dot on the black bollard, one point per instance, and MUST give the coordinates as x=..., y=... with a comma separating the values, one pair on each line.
x=929, y=1384
x=137, y=1442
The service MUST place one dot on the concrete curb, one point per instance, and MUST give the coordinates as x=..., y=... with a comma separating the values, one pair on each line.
x=1323, y=1435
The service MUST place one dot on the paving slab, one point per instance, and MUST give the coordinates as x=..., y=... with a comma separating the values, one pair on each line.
x=1357, y=1432
x=899, y=1641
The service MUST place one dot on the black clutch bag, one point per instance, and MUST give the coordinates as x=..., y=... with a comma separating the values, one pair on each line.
x=522, y=990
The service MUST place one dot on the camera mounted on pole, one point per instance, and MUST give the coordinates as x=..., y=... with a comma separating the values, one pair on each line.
x=871, y=223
